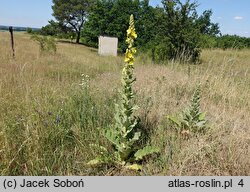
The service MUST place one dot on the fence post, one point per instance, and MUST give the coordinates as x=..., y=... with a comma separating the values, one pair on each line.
x=12, y=41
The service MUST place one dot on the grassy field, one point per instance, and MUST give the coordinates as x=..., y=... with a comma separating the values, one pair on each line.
x=47, y=121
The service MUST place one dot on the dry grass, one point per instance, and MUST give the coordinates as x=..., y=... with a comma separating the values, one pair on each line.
x=45, y=131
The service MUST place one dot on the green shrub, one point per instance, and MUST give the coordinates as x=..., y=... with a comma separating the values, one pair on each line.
x=47, y=44
x=29, y=30
x=181, y=32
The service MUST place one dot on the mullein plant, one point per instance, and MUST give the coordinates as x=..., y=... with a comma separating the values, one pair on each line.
x=192, y=120
x=125, y=134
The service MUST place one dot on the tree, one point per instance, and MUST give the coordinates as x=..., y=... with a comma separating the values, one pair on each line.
x=206, y=26
x=57, y=29
x=98, y=21
x=29, y=30
x=72, y=13
x=148, y=23
x=181, y=30
x=110, y=17
x=232, y=42
x=122, y=10
x=173, y=31
x=52, y=28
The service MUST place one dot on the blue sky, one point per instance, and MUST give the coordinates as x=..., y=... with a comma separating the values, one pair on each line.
x=233, y=16
x=25, y=13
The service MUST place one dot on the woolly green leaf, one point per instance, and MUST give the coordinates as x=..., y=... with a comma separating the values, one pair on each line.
x=135, y=167
x=201, y=124
x=95, y=162
x=202, y=116
x=145, y=151
x=112, y=137
x=125, y=153
x=132, y=126
x=135, y=107
x=136, y=136
x=174, y=120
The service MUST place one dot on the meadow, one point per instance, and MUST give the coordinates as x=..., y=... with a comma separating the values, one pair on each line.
x=48, y=121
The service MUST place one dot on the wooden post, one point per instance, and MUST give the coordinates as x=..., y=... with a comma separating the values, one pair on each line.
x=12, y=41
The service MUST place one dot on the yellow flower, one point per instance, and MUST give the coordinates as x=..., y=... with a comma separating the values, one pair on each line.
x=133, y=50
x=131, y=33
x=130, y=61
x=131, y=30
x=129, y=58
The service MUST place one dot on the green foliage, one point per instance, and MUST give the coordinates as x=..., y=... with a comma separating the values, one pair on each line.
x=181, y=30
x=232, y=42
x=50, y=29
x=47, y=44
x=175, y=31
x=110, y=18
x=57, y=29
x=192, y=120
x=98, y=22
x=171, y=32
x=140, y=154
x=206, y=26
x=146, y=22
x=29, y=30
x=225, y=42
x=160, y=51
x=208, y=41
x=72, y=14
x=101, y=21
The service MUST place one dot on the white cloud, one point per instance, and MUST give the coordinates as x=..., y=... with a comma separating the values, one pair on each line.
x=238, y=18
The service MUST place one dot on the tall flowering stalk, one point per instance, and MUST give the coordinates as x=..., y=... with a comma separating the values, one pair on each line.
x=124, y=133
x=131, y=36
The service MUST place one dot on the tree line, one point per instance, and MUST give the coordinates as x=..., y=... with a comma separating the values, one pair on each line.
x=225, y=42
x=172, y=31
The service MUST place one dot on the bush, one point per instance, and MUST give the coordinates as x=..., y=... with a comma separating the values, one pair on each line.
x=208, y=41
x=29, y=30
x=47, y=44
x=181, y=32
